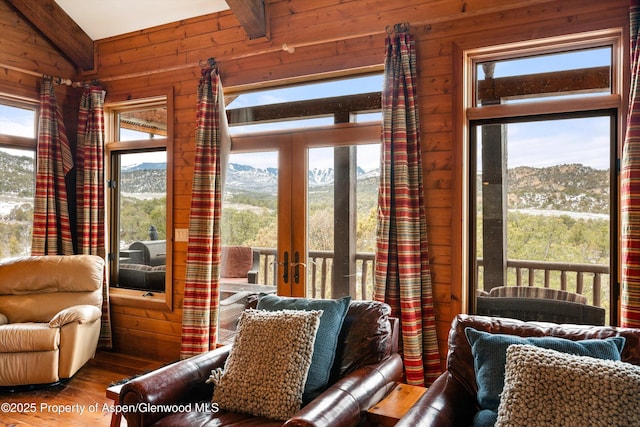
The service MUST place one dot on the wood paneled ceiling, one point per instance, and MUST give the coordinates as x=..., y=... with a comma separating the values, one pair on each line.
x=74, y=42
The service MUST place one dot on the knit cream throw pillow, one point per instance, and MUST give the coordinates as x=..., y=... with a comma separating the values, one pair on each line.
x=267, y=367
x=548, y=388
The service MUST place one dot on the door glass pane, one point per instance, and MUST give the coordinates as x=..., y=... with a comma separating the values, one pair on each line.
x=543, y=206
x=17, y=183
x=320, y=226
x=250, y=211
x=143, y=220
x=342, y=201
x=249, y=235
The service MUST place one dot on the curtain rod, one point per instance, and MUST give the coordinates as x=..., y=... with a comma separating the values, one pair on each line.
x=427, y=24
x=56, y=80
x=287, y=47
x=291, y=47
x=271, y=49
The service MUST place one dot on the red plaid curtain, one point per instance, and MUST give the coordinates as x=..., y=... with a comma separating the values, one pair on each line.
x=403, y=275
x=90, y=189
x=51, y=227
x=630, y=187
x=201, y=294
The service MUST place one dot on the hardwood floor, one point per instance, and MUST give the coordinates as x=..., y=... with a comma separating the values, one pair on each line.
x=80, y=401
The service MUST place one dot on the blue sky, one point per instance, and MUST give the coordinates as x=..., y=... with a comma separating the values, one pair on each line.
x=17, y=121
x=562, y=61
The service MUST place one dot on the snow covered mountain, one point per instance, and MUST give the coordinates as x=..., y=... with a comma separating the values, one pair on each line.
x=146, y=177
x=248, y=177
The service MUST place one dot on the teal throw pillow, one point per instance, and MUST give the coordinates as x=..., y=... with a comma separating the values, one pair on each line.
x=324, y=350
x=490, y=358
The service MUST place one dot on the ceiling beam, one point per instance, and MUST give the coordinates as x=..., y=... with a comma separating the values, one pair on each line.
x=60, y=29
x=252, y=16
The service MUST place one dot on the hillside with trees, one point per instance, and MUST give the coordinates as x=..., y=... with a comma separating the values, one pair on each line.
x=250, y=208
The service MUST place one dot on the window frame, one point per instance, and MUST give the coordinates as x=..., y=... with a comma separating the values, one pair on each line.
x=21, y=142
x=131, y=297
x=604, y=103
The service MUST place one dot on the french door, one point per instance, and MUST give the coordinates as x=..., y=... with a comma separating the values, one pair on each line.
x=289, y=193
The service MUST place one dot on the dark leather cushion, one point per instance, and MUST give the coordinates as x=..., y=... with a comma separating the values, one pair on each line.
x=366, y=336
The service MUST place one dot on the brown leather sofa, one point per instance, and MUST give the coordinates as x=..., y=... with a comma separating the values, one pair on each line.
x=367, y=364
x=50, y=311
x=451, y=399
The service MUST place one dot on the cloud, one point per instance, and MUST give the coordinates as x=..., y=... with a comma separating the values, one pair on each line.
x=547, y=143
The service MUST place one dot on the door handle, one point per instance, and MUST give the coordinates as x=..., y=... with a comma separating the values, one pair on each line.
x=285, y=266
x=296, y=267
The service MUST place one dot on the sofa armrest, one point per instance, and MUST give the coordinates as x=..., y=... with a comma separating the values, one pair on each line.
x=181, y=382
x=78, y=313
x=344, y=402
x=445, y=403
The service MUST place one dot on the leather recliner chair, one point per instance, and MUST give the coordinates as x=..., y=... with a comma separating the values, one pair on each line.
x=50, y=312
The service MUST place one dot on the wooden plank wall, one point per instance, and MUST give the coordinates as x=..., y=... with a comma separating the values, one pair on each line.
x=329, y=36
x=24, y=48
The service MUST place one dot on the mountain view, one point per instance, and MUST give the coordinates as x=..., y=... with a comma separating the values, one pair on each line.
x=149, y=178
x=572, y=188
x=565, y=191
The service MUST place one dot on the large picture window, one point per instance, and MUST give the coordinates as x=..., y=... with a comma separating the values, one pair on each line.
x=543, y=138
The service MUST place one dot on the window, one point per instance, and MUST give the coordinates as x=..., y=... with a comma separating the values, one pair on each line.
x=542, y=147
x=138, y=154
x=18, y=123
x=304, y=169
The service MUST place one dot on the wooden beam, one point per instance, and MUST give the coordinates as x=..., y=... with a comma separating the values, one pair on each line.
x=252, y=16
x=49, y=18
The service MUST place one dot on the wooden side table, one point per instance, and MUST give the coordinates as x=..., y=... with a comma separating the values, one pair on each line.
x=389, y=410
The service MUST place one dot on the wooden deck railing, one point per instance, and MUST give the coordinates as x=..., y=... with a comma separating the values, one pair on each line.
x=590, y=280
x=584, y=279
x=319, y=272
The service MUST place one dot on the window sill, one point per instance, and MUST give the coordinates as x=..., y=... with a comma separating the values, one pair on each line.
x=137, y=298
